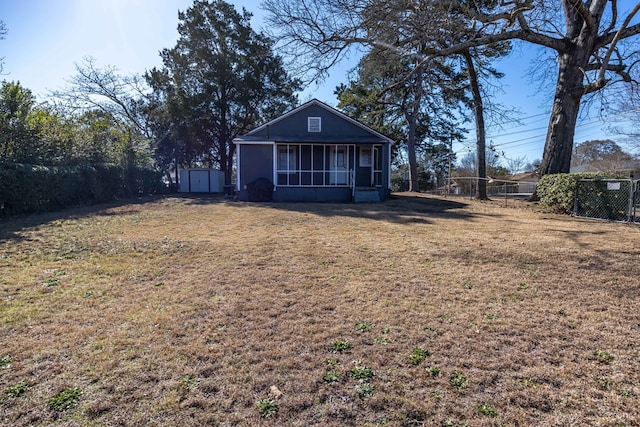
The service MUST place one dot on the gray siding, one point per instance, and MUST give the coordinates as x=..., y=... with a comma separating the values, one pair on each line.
x=312, y=194
x=256, y=161
x=333, y=127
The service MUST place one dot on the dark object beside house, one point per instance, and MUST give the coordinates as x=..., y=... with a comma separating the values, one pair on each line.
x=315, y=153
x=260, y=190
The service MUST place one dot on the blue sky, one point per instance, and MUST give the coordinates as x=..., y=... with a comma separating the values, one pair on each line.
x=47, y=38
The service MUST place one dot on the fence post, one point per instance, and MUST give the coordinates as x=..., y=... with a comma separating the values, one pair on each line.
x=630, y=213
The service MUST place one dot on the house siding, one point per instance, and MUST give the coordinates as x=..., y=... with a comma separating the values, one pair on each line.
x=256, y=162
x=312, y=194
x=295, y=127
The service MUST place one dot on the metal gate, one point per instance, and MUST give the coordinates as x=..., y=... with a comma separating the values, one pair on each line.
x=607, y=199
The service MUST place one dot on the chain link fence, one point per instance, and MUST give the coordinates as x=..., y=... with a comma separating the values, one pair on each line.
x=607, y=199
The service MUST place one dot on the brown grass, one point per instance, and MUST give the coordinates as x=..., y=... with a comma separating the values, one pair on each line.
x=186, y=311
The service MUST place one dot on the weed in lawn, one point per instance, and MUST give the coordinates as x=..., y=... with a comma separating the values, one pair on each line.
x=430, y=331
x=189, y=382
x=65, y=399
x=604, y=357
x=529, y=382
x=522, y=286
x=487, y=410
x=432, y=371
x=449, y=423
x=436, y=394
x=489, y=316
x=267, y=407
x=625, y=393
x=604, y=383
x=360, y=371
x=458, y=380
x=51, y=282
x=340, y=346
x=385, y=330
x=381, y=340
x=332, y=362
x=331, y=377
x=418, y=355
x=363, y=326
x=18, y=389
x=365, y=390
x=6, y=361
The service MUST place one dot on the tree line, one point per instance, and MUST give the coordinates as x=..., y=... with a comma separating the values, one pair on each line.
x=426, y=76
x=220, y=80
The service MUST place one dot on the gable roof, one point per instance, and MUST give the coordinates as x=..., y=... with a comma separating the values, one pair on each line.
x=316, y=103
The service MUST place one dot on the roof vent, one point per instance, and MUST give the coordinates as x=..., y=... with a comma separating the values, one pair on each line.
x=314, y=124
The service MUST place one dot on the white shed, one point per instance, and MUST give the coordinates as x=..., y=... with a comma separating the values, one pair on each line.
x=201, y=180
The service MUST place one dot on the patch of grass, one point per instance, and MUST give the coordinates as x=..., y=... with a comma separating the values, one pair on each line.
x=363, y=326
x=65, y=399
x=18, y=389
x=529, y=382
x=340, y=346
x=487, y=410
x=604, y=383
x=458, y=380
x=51, y=282
x=267, y=407
x=189, y=382
x=450, y=423
x=360, y=371
x=604, y=357
x=332, y=362
x=6, y=361
x=247, y=303
x=432, y=371
x=418, y=355
x=381, y=340
x=331, y=377
x=365, y=389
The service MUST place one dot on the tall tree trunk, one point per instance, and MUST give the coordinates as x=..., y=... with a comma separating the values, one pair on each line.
x=478, y=112
x=411, y=151
x=564, y=115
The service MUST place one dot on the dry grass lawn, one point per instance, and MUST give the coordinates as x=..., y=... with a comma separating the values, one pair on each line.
x=418, y=311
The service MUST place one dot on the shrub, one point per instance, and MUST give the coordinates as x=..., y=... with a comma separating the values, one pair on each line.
x=556, y=191
x=28, y=189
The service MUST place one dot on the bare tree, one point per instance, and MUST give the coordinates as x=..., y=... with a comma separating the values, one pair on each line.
x=3, y=32
x=592, y=40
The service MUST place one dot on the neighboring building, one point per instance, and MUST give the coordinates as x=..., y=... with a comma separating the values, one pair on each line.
x=314, y=153
x=630, y=168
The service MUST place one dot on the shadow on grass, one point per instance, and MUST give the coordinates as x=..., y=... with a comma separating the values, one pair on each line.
x=11, y=226
x=401, y=208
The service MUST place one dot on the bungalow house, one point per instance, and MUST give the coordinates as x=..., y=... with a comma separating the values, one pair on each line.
x=314, y=153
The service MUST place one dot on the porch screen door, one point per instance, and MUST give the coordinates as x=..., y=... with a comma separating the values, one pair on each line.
x=339, y=174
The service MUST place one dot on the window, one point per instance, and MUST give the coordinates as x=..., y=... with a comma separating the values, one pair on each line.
x=315, y=165
x=365, y=157
x=314, y=124
x=287, y=158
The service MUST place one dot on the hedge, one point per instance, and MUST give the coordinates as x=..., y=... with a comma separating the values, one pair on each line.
x=29, y=189
x=557, y=191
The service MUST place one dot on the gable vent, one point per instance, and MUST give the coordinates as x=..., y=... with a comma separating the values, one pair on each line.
x=314, y=124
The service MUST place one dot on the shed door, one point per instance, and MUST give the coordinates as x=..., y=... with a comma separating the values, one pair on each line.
x=199, y=181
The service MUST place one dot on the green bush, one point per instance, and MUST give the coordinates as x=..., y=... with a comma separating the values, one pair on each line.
x=28, y=189
x=556, y=192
